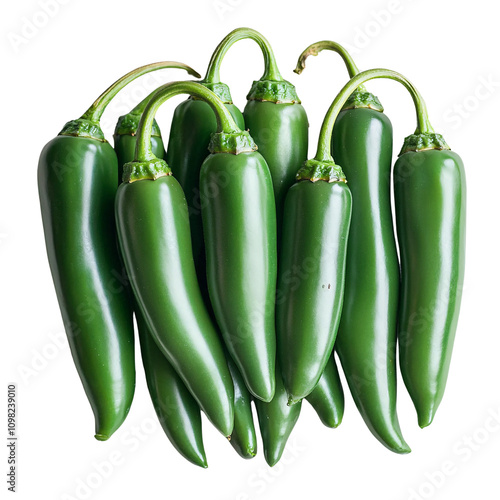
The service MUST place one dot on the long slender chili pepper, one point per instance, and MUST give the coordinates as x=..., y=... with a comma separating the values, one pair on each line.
x=243, y=438
x=327, y=398
x=430, y=200
x=192, y=125
x=362, y=144
x=153, y=229
x=239, y=224
x=366, y=341
x=311, y=274
x=77, y=178
x=373, y=391
x=177, y=410
x=276, y=421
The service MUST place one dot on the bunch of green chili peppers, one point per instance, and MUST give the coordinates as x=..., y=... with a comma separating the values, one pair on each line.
x=248, y=266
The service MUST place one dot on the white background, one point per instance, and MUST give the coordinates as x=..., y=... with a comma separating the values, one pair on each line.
x=54, y=71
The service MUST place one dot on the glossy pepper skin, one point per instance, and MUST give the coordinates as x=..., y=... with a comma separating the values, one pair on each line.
x=366, y=341
x=276, y=421
x=239, y=224
x=327, y=398
x=273, y=114
x=124, y=146
x=361, y=142
x=77, y=179
x=193, y=124
x=281, y=133
x=243, y=438
x=311, y=280
x=430, y=200
x=177, y=410
x=153, y=230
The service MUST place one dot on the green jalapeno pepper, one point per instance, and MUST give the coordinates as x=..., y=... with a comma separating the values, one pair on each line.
x=276, y=421
x=378, y=405
x=126, y=129
x=243, y=438
x=177, y=410
x=311, y=274
x=273, y=114
x=327, y=398
x=192, y=125
x=317, y=215
x=239, y=224
x=366, y=343
x=366, y=340
x=430, y=199
x=77, y=178
x=153, y=229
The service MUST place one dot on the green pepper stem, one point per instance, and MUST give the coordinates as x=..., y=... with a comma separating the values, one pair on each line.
x=271, y=71
x=225, y=121
x=315, y=48
x=139, y=109
x=95, y=111
x=325, y=136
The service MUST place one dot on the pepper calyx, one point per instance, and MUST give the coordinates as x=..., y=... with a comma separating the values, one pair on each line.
x=129, y=123
x=221, y=90
x=316, y=170
x=363, y=99
x=83, y=128
x=232, y=142
x=279, y=92
x=145, y=170
x=423, y=142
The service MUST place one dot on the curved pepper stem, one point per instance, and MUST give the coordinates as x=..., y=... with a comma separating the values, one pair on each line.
x=271, y=71
x=88, y=124
x=95, y=111
x=315, y=48
x=129, y=123
x=139, y=109
x=424, y=126
x=225, y=121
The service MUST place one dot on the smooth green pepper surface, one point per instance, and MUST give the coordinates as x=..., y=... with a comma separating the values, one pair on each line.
x=192, y=125
x=243, y=438
x=239, y=223
x=366, y=341
x=153, y=229
x=327, y=398
x=311, y=280
x=77, y=179
x=177, y=410
x=281, y=133
x=276, y=421
x=430, y=198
